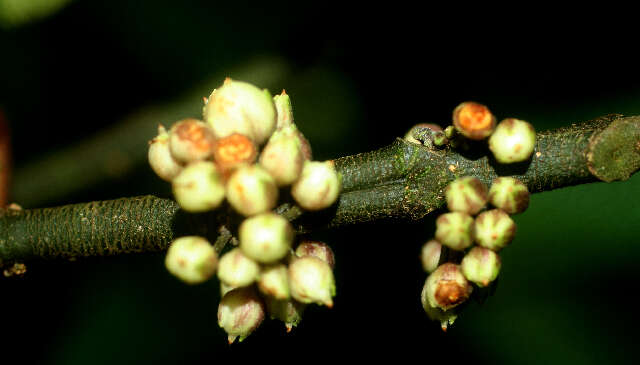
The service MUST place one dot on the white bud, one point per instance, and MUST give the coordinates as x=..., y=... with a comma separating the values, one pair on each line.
x=266, y=237
x=160, y=158
x=318, y=186
x=192, y=259
x=236, y=270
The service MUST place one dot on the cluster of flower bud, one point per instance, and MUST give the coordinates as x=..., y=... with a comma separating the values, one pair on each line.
x=467, y=240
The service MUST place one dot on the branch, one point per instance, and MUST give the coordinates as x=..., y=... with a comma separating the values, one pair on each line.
x=402, y=181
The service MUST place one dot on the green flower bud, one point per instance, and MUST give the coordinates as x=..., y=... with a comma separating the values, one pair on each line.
x=288, y=311
x=446, y=287
x=430, y=255
x=283, y=110
x=494, y=229
x=311, y=281
x=473, y=120
x=455, y=230
x=199, y=187
x=274, y=281
x=191, y=140
x=409, y=135
x=318, y=186
x=446, y=318
x=239, y=107
x=480, y=265
x=509, y=194
x=251, y=190
x=240, y=312
x=512, y=141
x=266, y=237
x=316, y=249
x=160, y=158
x=282, y=157
x=466, y=194
x=237, y=270
x=191, y=259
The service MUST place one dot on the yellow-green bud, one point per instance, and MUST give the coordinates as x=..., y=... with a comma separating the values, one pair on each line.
x=191, y=259
x=288, y=311
x=240, y=312
x=430, y=255
x=512, y=141
x=455, y=230
x=494, y=229
x=446, y=318
x=266, y=237
x=282, y=157
x=199, y=187
x=318, y=186
x=236, y=270
x=466, y=194
x=160, y=158
x=311, y=281
x=251, y=190
x=509, y=194
x=283, y=110
x=316, y=249
x=274, y=281
x=446, y=287
x=191, y=140
x=239, y=107
x=473, y=120
x=480, y=265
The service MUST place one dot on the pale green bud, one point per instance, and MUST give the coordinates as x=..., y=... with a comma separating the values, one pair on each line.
x=239, y=107
x=466, y=194
x=191, y=140
x=311, y=281
x=236, y=270
x=266, y=237
x=455, y=230
x=282, y=157
x=288, y=311
x=240, y=312
x=274, y=281
x=509, y=194
x=512, y=141
x=316, y=249
x=251, y=190
x=318, y=186
x=473, y=120
x=481, y=265
x=430, y=255
x=284, y=110
x=446, y=287
x=494, y=229
x=446, y=318
x=199, y=187
x=191, y=259
x=160, y=158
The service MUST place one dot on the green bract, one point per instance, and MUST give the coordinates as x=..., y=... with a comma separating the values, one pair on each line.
x=512, y=141
x=466, y=194
x=455, y=230
x=266, y=237
x=494, y=229
x=199, y=187
x=191, y=259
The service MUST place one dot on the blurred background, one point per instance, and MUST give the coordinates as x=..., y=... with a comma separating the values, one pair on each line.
x=84, y=84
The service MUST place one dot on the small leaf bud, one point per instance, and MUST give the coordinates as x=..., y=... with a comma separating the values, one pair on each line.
x=455, y=230
x=234, y=150
x=283, y=110
x=316, y=249
x=450, y=132
x=409, y=135
x=473, y=120
x=466, y=194
x=274, y=281
x=288, y=311
x=430, y=255
x=311, y=281
x=480, y=265
x=199, y=187
x=240, y=312
x=191, y=140
x=318, y=186
x=446, y=318
x=509, y=194
x=191, y=259
x=236, y=270
x=512, y=141
x=266, y=237
x=494, y=229
x=446, y=287
x=283, y=157
x=160, y=158
x=251, y=190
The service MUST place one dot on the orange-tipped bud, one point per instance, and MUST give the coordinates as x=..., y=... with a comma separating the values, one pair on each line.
x=234, y=150
x=474, y=120
x=191, y=140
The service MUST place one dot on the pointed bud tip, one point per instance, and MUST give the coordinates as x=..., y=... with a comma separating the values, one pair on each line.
x=284, y=92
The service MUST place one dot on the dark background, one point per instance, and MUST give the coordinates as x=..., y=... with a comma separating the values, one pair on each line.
x=358, y=77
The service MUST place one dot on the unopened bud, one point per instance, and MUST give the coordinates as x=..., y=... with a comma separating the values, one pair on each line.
x=466, y=194
x=318, y=186
x=236, y=270
x=446, y=318
x=234, y=150
x=191, y=140
x=430, y=255
x=480, y=265
x=409, y=135
x=199, y=187
x=284, y=110
x=191, y=259
x=266, y=237
x=160, y=158
x=455, y=230
x=512, y=141
x=288, y=311
x=509, y=194
x=274, y=281
x=282, y=157
x=240, y=312
x=473, y=120
x=494, y=229
x=446, y=287
x=251, y=190
x=316, y=249
x=311, y=281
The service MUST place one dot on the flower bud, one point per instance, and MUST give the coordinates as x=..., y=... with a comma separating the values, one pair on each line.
x=318, y=186
x=446, y=287
x=191, y=259
x=509, y=194
x=160, y=158
x=236, y=270
x=316, y=249
x=409, y=135
x=191, y=140
x=288, y=311
x=234, y=150
x=480, y=265
x=466, y=194
x=430, y=255
x=473, y=120
x=282, y=157
x=274, y=281
x=455, y=230
x=251, y=190
x=283, y=110
x=240, y=312
x=266, y=237
x=199, y=187
x=512, y=141
x=494, y=229
x=446, y=318
x=239, y=107
x=311, y=281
